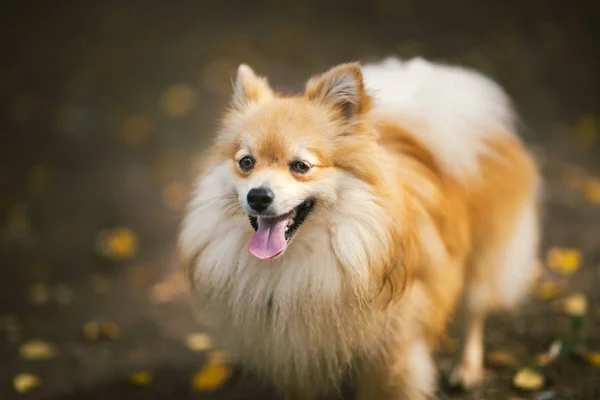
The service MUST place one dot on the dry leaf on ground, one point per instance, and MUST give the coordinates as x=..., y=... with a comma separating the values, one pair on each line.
x=565, y=261
x=210, y=377
x=591, y=190
x=141, y=378
x=528, y=379
x=37, y=350
x=198, y=342
x=549, y=290
x=593, y=358
x=117, y=244
x=501, y=359
x=23, y=383
x=574, y=305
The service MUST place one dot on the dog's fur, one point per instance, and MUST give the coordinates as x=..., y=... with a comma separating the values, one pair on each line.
x=423, y=192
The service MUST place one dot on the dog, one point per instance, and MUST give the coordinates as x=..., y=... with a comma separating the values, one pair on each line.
x=333, y=233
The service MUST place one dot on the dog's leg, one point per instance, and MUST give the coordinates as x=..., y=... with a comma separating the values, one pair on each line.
x=410, y=375
x=469, y=370
x=499, y=279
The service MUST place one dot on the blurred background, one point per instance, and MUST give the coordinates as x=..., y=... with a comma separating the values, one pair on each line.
x=104, y=106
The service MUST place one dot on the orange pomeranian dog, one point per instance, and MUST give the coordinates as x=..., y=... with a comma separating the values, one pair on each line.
x=332, y=234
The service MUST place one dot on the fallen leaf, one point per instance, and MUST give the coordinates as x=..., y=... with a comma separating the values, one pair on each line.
x=528, y=379
x=210, y=377
x=117, y=244
x=110, y=330
x=141, y=378
x=37, y=350
x=542, y=359
x=501, y=359
x=591, y=189
x=23, y=383
x=565, y=261
x=91, y=330
x=549, y=290
x=575, y=305
x=101, y=330
x=593, y=358
x=198, y=342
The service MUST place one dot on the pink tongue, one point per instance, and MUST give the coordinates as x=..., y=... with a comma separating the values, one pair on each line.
x=269, y=239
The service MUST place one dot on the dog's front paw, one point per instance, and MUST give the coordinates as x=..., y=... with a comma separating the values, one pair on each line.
x=466, y=376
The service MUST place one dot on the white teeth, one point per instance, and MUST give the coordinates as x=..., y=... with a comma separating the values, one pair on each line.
x=293, y=213
x=290, y=222
x=287, y=228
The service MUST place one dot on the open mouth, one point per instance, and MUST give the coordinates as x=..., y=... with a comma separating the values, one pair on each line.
x=274, y=234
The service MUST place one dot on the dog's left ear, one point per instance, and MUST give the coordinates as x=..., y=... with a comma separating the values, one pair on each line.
x=249, y=88
x=341, y=88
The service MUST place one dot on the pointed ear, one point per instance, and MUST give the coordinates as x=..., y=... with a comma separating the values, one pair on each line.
x=249, y=87
x=341, y=88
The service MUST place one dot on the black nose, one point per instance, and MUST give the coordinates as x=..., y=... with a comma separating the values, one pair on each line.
x=260, y=198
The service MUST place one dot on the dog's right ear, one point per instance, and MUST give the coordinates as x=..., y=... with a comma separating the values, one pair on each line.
x=249, y=88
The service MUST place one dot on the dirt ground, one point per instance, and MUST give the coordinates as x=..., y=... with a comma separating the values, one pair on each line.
x=104, y=106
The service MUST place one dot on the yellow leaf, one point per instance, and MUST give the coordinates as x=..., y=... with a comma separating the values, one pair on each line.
x=118, y=244
x=501, y=359
x=542, y=359
x=91, y=330
x=141, y=378
x=592, y=190
x=549, y=290
x=198, y=342
x=23, y=383
x=594, y=358
x=210, y=377
x=110, y=330
x=575, y=305
x=37, y=350
x=564, y=260
x=528, y=379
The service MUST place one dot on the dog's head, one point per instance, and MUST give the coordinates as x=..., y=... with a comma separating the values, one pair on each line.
x=286, y=153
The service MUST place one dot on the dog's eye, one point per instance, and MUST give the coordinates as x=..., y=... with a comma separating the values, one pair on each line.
x=246, y=163
x=300, y=167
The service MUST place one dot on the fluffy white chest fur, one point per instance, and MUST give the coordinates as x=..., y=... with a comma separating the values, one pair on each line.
x=301, y=316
